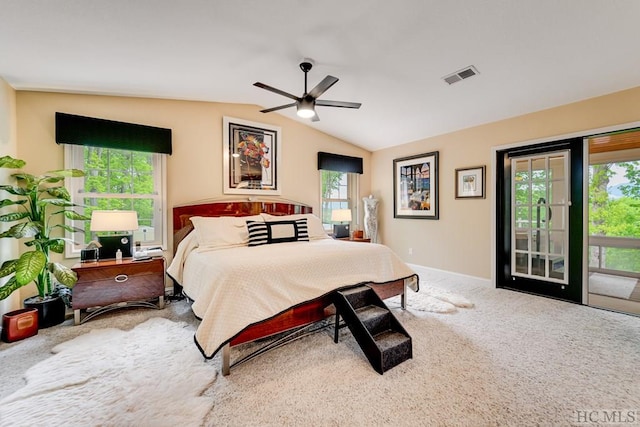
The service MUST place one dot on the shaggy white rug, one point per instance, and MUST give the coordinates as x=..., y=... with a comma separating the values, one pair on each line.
x=111, y=377
x=434, y=300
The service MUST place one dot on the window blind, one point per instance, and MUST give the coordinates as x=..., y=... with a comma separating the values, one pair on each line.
x=80, y=130
x=339, y=163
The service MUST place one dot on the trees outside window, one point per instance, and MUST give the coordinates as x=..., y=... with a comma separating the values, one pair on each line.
x=122, y=180
x=614, y=210
x=338, y=191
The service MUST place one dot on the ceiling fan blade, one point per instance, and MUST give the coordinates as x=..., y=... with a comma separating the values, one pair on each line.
x=278, y=91
x=268, y=110
x=315, y=117
x=340, y=104
x=321, y=87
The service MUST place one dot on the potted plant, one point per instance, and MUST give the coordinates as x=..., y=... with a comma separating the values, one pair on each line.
x=39, y=201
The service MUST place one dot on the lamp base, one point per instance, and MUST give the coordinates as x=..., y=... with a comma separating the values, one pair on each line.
x=340, y=230
x=111, y=244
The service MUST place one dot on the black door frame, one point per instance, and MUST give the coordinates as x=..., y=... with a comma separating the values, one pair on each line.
x=573, y=290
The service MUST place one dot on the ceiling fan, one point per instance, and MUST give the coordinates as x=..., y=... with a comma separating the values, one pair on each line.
x=309, y=100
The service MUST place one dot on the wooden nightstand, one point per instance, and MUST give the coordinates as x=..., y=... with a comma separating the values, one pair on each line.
x=355, y=239
x=108, y=285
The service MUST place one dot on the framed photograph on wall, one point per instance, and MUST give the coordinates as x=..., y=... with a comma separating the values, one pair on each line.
x=415, y=186
x=251, y=157
x=470, y=183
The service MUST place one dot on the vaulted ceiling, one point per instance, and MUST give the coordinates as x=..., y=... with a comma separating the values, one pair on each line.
x=389, y=55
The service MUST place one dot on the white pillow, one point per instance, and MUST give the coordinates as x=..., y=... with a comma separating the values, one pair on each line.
x=217, y=232
x=314, y=224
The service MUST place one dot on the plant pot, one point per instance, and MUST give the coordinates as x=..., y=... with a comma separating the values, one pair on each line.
x=51, y=311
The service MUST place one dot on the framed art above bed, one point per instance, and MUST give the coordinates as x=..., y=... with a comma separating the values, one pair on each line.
x=251, y=157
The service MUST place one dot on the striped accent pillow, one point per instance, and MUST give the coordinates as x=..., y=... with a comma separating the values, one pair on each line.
x=265, y=233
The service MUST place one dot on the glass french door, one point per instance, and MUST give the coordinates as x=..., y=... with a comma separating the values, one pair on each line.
x=539, y=216
x=539, y=230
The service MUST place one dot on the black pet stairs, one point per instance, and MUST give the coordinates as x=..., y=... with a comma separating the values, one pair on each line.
x=382, y=338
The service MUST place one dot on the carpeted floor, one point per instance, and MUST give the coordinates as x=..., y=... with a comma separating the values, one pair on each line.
x=511, y=359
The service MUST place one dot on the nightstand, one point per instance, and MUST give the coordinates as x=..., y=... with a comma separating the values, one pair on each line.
x=349, y=239
x=107, y=285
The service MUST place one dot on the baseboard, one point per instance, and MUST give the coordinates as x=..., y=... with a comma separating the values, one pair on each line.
x=613, y=304
x=426, y=271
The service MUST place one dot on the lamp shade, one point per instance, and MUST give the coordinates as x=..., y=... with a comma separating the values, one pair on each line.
x=114, y=220
x=341, y=215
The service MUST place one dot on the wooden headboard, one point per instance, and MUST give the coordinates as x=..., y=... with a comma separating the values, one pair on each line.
x=182, y=213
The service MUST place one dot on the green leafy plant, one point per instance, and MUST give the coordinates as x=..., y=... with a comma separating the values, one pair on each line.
x=39, y=201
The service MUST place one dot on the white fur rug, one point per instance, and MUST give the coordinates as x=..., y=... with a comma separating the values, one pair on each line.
x=434, y=300
x=111, y=377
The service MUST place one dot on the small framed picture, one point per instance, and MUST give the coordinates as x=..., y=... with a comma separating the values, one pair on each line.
x=470, y=183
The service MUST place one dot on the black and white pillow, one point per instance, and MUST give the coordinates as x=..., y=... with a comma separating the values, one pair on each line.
x=265, y=233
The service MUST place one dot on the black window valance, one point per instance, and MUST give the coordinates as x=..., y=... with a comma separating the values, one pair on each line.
x=339, y=163
x=80, y=130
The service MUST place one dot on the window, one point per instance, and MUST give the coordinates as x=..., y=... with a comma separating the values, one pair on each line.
x=119, y=179
x=614, y=215
x=339, y=190
x=338, y=185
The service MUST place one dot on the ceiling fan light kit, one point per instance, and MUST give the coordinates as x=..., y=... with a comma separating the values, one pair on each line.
x=305, y=105
x=306, y=108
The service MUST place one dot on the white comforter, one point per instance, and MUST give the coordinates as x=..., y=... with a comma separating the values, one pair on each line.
x=235, y=287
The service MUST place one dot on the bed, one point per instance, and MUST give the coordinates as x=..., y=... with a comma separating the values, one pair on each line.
x=253, y=269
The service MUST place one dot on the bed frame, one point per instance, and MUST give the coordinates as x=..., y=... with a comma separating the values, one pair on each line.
x=292, y=319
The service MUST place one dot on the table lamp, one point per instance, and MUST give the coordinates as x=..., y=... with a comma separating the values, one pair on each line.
x=341, y=215
x=120, y=224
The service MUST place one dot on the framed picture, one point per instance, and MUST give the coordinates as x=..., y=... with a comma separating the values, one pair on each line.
x=251, y=157
x=470, y=183
x=415, y=186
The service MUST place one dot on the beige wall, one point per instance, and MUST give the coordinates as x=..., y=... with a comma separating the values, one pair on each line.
x=194, y=171
x=8, y=147
x=460, y=241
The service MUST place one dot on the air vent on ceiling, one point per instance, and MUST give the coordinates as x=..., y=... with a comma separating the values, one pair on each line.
x=465, y=73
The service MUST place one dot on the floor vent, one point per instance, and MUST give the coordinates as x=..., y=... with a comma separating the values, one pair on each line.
x=465, y=73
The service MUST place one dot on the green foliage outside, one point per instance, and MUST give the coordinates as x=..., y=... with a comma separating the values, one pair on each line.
x=331, y=183
x=110, y=172
x=616, y=217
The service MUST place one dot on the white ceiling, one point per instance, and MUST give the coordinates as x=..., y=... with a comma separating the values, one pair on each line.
x=388, y=55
